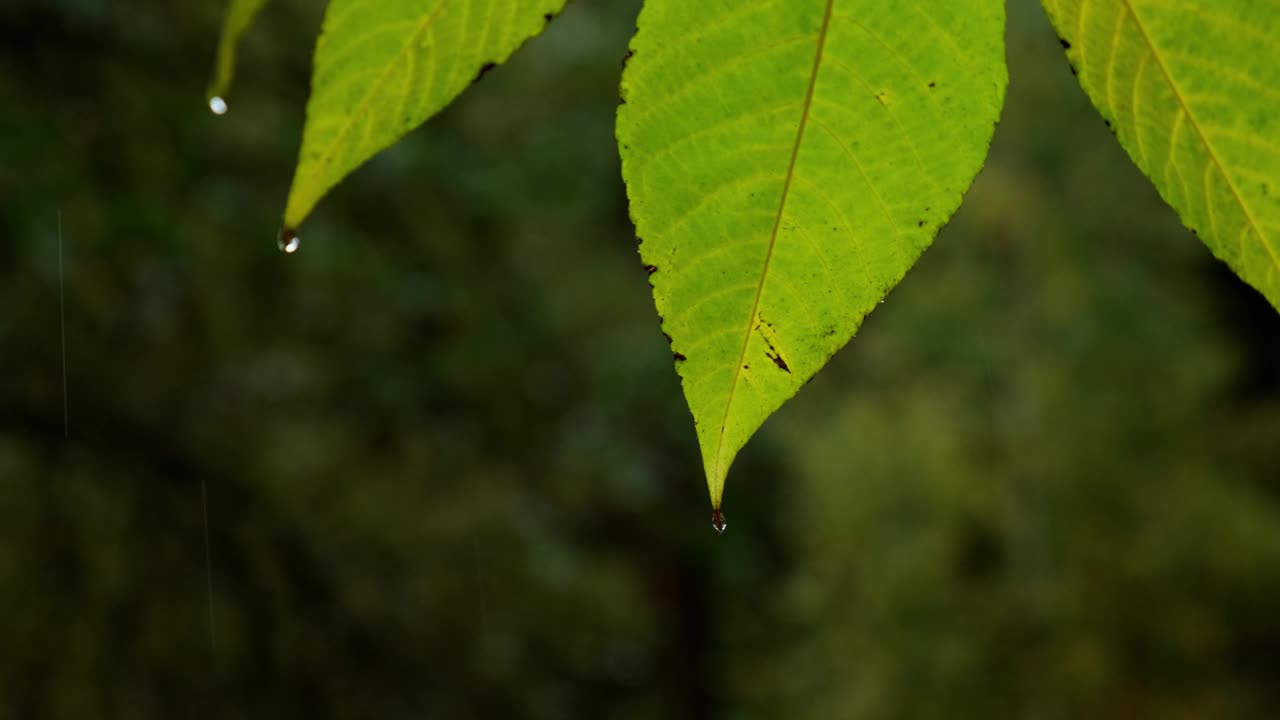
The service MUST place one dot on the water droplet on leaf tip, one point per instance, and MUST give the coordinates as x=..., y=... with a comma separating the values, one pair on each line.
x=288, y=241
x=218, y=105
x=717, y=520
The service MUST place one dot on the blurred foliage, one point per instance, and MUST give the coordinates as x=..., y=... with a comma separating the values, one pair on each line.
x=449, y=468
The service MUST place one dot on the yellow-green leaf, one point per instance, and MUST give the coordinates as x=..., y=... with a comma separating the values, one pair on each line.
x=787, y=161
x=240, y=16
x=1192, y=90
x=382, y=68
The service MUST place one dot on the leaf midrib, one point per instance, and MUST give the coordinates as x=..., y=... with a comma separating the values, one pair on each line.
x=327, y=156
x=1204, y=140
x=720, y=470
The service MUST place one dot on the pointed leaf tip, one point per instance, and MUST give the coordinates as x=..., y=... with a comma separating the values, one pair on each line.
x=786, y=163
x=366, y=95
x=240, y=16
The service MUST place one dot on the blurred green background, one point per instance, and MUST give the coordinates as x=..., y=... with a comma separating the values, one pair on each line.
x=449, y=469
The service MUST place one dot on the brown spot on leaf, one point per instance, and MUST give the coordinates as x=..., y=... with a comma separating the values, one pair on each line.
x=651, y=269
x=484, y=70
x=773, y=354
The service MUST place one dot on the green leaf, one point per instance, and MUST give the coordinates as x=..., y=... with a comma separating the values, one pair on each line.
x=382, y=68
x=787, y=162
x=240, y=16
x=1192, y=91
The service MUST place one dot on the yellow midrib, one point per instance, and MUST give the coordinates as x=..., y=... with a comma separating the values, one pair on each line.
x=1204, y=140
x=331, y=149
x=720, y=470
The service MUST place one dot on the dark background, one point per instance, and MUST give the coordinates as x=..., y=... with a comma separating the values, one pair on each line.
x=449, y=469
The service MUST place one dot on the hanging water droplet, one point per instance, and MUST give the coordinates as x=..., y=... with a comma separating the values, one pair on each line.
x=288, y=241
x=218, y=105
x=717, y=520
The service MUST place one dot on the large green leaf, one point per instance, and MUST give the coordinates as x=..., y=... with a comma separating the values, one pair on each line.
x=384, y=67
x=1192, y=91
x=240, y=16
x=787, y=162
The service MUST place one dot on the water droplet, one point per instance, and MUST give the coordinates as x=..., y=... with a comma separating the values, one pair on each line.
x=717, y=520
x=288, y=241
x=218, y=105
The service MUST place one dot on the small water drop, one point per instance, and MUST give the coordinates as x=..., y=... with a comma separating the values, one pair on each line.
x=288, y=241
x=717, y=520
x=218, y=105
